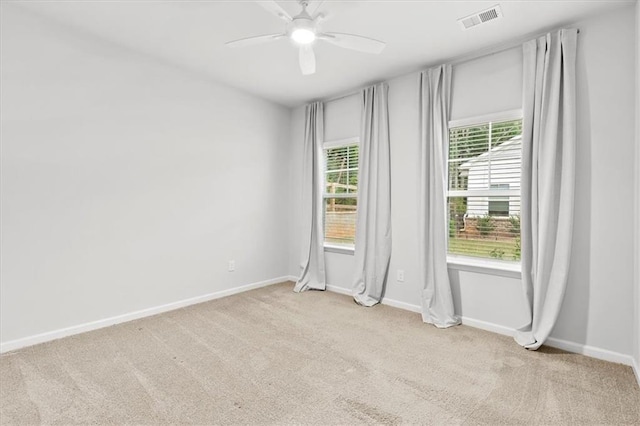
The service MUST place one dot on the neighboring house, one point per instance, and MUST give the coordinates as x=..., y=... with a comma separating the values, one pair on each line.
x=497, y=169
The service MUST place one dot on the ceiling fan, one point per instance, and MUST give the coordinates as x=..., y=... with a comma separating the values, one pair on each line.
x=304, y=30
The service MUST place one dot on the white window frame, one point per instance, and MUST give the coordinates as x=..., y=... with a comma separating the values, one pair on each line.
x=337, y=143
x=477, y=264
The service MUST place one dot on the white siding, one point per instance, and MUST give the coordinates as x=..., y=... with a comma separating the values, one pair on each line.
x=505, y=170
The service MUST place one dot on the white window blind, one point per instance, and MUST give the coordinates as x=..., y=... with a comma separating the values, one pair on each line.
x=484, y=189
x=341, y=191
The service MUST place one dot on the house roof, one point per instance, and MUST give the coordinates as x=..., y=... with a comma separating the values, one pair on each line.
x=506, y=150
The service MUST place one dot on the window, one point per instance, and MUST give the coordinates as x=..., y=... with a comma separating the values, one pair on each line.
x=341, y=191
x=484, y=187
x=499, y=206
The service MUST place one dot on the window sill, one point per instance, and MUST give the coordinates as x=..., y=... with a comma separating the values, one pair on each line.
x=334, y=248
x=485, y=266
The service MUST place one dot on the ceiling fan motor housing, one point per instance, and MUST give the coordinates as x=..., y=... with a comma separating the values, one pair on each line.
x=302, y=29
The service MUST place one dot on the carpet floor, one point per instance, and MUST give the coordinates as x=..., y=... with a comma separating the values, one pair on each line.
x=273, y=356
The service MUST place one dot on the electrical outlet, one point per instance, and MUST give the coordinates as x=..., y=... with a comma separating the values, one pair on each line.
x=400, y=275
x=232, y=265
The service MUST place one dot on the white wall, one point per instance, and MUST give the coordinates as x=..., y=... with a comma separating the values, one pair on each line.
x=127, y=183
x=404, y=129
x=598, y=308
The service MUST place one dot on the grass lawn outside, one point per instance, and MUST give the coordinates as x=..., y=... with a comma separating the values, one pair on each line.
x=505, y=250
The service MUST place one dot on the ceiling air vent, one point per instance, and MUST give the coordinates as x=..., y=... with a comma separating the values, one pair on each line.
x=481, y=17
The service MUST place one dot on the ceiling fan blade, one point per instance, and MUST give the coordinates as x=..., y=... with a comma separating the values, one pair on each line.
x=355, y=42
x=254, y=40
x=307, y=60
x=276, y=9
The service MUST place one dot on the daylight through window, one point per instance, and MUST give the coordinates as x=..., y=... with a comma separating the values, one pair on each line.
x=340, y=195
x=484, y=190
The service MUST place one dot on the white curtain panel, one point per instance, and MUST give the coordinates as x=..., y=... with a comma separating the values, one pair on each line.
x=312, y=276
x=373, y=225
x=437, y=301
x=548, y=178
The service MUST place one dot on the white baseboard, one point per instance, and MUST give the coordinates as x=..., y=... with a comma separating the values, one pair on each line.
x=636, y=369
x=402, y=305
x=106, y=322
x=385, y=301
x=591, y=351
x=578, y=348
x=488, y=326
x=336, y=289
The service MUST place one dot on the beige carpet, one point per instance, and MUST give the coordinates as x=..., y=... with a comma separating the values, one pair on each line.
x=272, y=356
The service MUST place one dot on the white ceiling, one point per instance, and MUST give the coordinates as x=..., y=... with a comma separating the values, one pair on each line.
x=191, y=34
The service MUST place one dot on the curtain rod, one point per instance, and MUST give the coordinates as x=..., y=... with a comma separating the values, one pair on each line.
x=492, y=50
x=346, y=95
x=496, y=49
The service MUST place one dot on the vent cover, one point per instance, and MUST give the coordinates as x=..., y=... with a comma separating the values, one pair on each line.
x=481, y=17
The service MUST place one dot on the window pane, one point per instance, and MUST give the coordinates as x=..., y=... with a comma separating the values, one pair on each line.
x=342, y=158
x=337, y=182
x=341, y=174
x=336, y=159
x=466, y=147
x=473, y=231
x=485, y=154
x=340, y=220
x=353, y=156
x=484, y=166
x=341, y=179
x=503, y=131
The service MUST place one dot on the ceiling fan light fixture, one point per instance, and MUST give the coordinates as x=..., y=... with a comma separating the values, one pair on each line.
x=303, y=36
x=303, y=30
